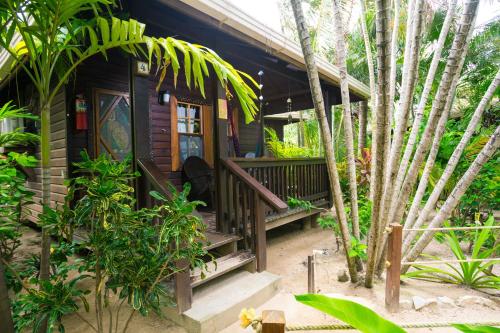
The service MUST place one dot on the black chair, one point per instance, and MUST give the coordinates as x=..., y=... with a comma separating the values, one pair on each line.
x=198, y=173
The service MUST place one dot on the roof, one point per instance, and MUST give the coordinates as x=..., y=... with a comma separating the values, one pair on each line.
x=292, y=116
x=248, y=29
x=273, y=42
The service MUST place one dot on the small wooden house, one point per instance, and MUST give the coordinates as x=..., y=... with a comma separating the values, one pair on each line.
x=125, y=114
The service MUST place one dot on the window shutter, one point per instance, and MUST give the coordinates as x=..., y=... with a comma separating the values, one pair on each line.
x=208, y=135
x=174, y=137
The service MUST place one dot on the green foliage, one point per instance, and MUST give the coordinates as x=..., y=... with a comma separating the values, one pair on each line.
x=280, y=149
x=475, y=275
x=476, y=329
x=297, y=203
x=55, y=39
x=55, y=299
x=358, y=249
x=13, y=193
x=352, y=313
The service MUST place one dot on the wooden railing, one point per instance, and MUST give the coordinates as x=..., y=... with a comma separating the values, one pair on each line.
x=243, y=212
x=301, y=178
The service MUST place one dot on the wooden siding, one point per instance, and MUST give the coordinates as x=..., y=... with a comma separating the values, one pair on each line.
x=58, y=161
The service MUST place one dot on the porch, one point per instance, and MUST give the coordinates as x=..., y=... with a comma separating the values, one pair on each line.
x=251, y=198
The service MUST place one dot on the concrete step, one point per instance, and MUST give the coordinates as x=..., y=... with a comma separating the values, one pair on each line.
x=217, y=304
x=221, y=266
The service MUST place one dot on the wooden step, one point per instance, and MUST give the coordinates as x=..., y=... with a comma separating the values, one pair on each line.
x=218, y=239
x=293, y=214
x=221, y=266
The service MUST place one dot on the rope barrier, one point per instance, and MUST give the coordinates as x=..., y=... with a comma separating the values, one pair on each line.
x=454, y=228
x=409, y=325
x=451, y=261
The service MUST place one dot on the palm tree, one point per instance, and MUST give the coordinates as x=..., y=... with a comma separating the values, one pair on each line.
x=55, y=40
x=319, y=106
x=346, y=104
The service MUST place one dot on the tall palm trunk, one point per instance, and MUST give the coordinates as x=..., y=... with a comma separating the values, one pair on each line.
x=451, y=69
x=319, y=106
x=453, y=199
x=340, y=52
x=450, y=166
x=45, y=166
x=409, y=80
x=394, y=49
x=382, y=130
x=371, y=76
x=419, y=112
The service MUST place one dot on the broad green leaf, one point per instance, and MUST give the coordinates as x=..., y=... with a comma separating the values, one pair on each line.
x=352, y=313
x=476, y=329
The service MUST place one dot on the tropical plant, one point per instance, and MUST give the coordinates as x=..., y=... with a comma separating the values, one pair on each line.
x=319, y=106
x=280, y=149
x=352, y=313
x=50, y=39
x=473, y=274
x=13, y=195
x=298, y=203
x=131, y=251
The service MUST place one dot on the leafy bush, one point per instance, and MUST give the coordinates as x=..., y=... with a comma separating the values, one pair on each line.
x=472, y=274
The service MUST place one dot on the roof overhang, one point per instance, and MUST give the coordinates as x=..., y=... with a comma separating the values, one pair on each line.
x=232, y=19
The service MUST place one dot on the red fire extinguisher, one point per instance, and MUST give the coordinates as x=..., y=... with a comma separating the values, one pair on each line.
x=81, y=113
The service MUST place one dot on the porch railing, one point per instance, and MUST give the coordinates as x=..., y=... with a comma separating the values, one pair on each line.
x=245, y=200
x=301, y=178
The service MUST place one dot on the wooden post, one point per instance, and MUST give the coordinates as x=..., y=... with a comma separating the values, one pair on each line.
x=392, y=281
x=310, y=275
x=273, y=321
x=260, y=234
x=183, y=290
x=221, y=152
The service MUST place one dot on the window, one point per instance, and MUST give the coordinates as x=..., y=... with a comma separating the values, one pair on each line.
x=189, y=128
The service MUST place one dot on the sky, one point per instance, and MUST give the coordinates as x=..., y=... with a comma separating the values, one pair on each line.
x=267, y=11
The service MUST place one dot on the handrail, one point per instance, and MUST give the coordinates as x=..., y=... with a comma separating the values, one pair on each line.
x=267, y=196
x=157, y=178
x=270, y=161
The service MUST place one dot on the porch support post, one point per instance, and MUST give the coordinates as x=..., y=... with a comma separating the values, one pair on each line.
x=329, y=116
x=220, y=152
x=139, y=95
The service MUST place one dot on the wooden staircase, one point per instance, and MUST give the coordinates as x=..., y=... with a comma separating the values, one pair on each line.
x=226, y=258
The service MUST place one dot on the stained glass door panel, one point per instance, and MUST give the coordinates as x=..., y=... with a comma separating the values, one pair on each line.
x=113, y=124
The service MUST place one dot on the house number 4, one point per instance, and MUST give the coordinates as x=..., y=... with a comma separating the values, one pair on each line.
x=142, y=68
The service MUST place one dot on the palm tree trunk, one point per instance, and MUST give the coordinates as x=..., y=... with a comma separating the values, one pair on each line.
x=382, y=131
x=431, y=74
x=371, y=75
x=340, y=52
x=409, y=80
x=394, y=49
x=452, y=201
x=45, y=166
x=319, y=106
x=450, y=166
x=6, y=323
x=452, y=68
x=363, y=121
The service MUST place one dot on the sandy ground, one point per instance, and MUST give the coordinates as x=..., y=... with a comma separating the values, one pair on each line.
x=287, y=257
x=288, y=249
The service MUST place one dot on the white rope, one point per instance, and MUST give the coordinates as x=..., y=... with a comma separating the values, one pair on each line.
x=454, y=228
x=451, y=261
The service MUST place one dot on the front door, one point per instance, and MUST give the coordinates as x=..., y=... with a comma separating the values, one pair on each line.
x=113, y=123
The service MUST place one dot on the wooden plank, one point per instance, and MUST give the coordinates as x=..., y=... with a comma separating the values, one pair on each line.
x=183, y=290
x=218, y=239
x=174, y=143
x=392, y=282
x=260, y=231
x=221, y=266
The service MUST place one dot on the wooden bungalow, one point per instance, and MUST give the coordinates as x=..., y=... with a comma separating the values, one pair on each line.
x=125, y=114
